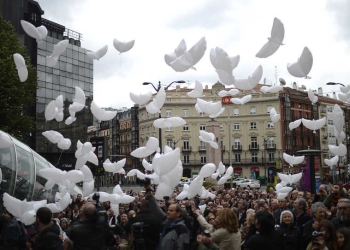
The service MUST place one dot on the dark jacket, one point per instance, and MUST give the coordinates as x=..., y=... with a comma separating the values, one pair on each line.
x=243, y=217
x=85, y=235
x=174, y=236
x=291, y=237
x=301, y=221
x=338, y=223
x=48, y=238
x=270, y=241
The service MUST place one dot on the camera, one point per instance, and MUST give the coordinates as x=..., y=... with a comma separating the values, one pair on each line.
x=316, y=234
x=206, y=233
x=145, y=182
x=101, y=216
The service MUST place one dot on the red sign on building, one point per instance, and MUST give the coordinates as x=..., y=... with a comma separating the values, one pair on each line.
x=226, y=100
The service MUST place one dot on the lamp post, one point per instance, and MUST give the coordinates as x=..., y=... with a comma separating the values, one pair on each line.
x=335, y=83
x=265, y=146
x=160, y=110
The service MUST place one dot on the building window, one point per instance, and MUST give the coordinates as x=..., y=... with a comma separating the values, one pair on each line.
x=254, y=157
x=186, y=144
x=253, y=125
x=329, y=109
x=168, y=113
x=186, y=159
x=142, y=116
x=271, y=142
x=237, y=157
x=169, y=142
x=236, y=126
x=252, y=110
x=185, y=127
x=202, y=127
x=221, y=127
x=169, y=129
x=330, y=122
x=299, y=105
x=306, y=107
x=254, y=141
x=268, y=109
x=201, y=114
x=270, y=125
x=306, y=115
x=202, y=145
x=237, y=143
x=271, y=157
x=203, y=159
x=235, y=111
x=185, y=113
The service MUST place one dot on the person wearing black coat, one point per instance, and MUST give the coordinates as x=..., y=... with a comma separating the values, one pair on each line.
x=291, y=235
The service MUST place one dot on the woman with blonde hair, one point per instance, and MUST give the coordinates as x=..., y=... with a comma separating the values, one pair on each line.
x=227, y=235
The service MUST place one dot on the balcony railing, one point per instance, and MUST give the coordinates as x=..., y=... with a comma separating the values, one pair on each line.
x=193, y=162
x=236, y=147
x=324, y=137
x=323, y=110
x=271, y=146
x=253, y=147
x=201, y=148
x=186, y=149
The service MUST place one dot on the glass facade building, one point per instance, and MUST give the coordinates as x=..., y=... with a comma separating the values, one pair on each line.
x=20, y=167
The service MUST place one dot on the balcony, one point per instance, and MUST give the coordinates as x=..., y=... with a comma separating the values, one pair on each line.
x=271, y=146
x=253, y=147
x=323, y=110
x=186, y=149
x=201, y=148
x=324, y=137
x=193, y=163
x=236, y=147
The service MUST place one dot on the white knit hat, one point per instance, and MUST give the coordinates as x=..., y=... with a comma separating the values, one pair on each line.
x=286, y=211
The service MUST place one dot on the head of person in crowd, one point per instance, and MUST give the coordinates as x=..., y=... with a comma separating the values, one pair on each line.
x=89, y=212
x=211, y=218
x=343, y=238
x=69, y=214
x=299, y=205
x=174, y=212
x=318, y=211
x=64, y=223
x=183, y=206
x=131, y=214
x=336, y=189
x=250, y=219
x=121, y=209
x=124, y=218
x=263, y=195
x=307, y=194
x=76, y=208
x=271, y=190
x=80, y=211
x=43, y=217
x=79, y=197
x=67, y=244
x=287, y=218
x=106, y=205
x=344, y=209
x=274, y=204
x=228, y=220
x=331, y=236
x=322, y=190
x=242, y=205
x=301, y=194
x=294, y=194
x=264, y=222
x=282, y=203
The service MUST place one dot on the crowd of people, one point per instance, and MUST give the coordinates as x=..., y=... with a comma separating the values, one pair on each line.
x=236, y=219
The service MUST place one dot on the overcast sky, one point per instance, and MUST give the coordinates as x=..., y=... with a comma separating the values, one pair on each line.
x=240, y=27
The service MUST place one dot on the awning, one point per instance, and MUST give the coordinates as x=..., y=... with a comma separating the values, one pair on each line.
x=237, y=170
x=254, y=169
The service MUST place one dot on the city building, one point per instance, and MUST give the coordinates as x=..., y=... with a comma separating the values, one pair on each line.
x=74, y=68
x=256, y=148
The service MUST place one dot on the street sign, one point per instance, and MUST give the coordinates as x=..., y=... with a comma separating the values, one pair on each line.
x=226, y=100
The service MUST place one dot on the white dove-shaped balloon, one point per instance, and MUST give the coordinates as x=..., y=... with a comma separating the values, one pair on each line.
x=251, y=81
x=293, y=160
x=217, y=114
x=197, y=91
x=98, y=54
x=338, y=118
x=179, y=51
x=21, y=67
x=219, y=171
x=148, y=166
x=280, y=189
x=169, y=122
x=231, y=92
x=88, y=182
x=58, y=49
x=221, y=61
x=70, y=119
x=241, y=101
x=332, y=161
x=313, y=98
x=54, y=110
x=141, y=99
x=190, y=57
x=164, y=163
x=289, y=178
x=209, y=138
x=151, y=146
x=115, y=166
x=209, y=107
x=100, y=113
x=124, y=198
x=295, y=124
x=207, y=170
x=5, y=141
x=136, y=172
x=274, y=42
x=38, y=33
x=226, y=176
x=184, y=193
x=339, y=136
x=56, y=137
x=339, y=150
x=303, y=66
x=271, y=89
x=344, y=97
x=123, y=46
x=314, y=124
x=157, y=102
x=225, y=77
x=84, y=153
x=195, y=187
x=78, y=100
x=62, y=200
x=54, y=175
x=345, y=89
x=24, y=210
x=274, y=116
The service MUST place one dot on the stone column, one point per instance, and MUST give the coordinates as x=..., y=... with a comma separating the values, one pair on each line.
x=213, y=155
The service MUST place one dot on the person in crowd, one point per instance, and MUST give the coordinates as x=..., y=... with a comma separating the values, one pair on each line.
x=69, y=215
x=48, y=234
x=282, y=206
x=75, y=216
x=321, y=194
x=343, y=238
x=301, y=217
x=67, y=244
x=318, y=212
x=78, y=201
x=263, y=235
x=84, y=233
x=291, y=236
x=242, y=207
x=343, y=218
x=64, y=223
x=330, y=236
x=336, y=193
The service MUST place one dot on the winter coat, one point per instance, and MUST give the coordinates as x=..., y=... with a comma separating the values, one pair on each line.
x=174, y=236
x=291, y=237
x=48, y=238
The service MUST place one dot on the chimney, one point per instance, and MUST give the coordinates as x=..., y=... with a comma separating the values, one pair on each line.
x=334, y=95
x=177, y=87
x=294, y=85
x=320, y=91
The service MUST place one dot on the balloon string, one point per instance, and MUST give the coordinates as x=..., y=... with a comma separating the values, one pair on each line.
x=59, y=158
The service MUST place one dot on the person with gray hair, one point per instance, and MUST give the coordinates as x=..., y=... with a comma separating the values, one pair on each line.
x=300, y=215
x=343, y=215
x=318, y=212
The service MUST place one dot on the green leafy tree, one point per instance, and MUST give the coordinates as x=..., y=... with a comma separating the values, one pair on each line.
x=15, y=96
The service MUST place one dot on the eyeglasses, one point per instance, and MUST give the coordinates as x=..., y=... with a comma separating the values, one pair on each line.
x=342, y=208
x=211, y=218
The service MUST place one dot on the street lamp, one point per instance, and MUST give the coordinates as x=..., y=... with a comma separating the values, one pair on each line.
x=265, y=146
x=335, y=83
x=160, y=111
